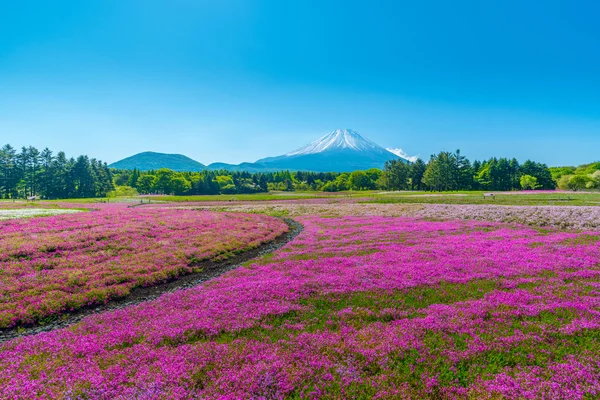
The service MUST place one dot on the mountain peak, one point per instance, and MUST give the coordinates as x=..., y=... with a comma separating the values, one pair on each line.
x=337, y=140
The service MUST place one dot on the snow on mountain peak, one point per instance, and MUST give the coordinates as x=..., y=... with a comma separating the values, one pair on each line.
x=338, y=139
x=401, y=153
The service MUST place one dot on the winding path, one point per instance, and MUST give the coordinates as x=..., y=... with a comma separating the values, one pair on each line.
x=211, y=270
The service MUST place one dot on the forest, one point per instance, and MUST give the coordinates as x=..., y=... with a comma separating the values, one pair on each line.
x=30, y=173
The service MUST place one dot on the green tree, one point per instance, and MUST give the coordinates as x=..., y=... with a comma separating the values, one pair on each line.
x=9, y=172
x=528, y=182
x=441, y=173
x=417, y=170
x=578, y=182
x=83, y=178
x=145, y=184
x=359, y=180
x=541, y=172
x=396, y=174
x=330, y=186
x=594, y=180
x=133, y=178
x=224, y=180
x=164, y=178
x=180, y=185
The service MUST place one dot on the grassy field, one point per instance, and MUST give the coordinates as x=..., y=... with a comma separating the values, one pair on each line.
x=501, y=198
x=260, y=196
x=407, y=197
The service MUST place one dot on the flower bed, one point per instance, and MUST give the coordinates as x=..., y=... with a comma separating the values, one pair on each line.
x=355, y=307
x=49, y=265
x=32, y=212
x=564, y=217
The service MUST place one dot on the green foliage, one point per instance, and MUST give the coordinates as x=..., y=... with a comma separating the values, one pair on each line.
x=452, y=171
x=528, y=182
x=224, y=180
x=587, y=169
x=180, y=185
x=559, y=172
x=41, y=174
x=417, y=170
x=146, y=183
x=122, y=191
x=359, y=180
x=585, y=176
x=444, y=171
x=396, y=174
x=578, y=182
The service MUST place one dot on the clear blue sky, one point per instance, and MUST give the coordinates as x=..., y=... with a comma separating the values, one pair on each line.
x=233, y=81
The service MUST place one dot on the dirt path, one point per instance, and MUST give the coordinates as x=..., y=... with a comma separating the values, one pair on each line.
x=210, y=271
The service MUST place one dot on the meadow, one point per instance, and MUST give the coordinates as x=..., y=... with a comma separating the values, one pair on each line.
x=524, y=198
x=379, y=299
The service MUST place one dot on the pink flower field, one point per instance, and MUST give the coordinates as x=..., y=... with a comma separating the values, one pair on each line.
x=50, y=265
x=354, y=307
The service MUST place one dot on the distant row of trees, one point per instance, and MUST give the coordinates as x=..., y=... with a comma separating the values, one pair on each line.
x=165, y=181
x=30, y=172
x=448, y=171
x=445, y=171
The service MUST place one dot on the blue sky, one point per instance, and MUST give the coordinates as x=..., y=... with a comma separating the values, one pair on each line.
x=233, y=81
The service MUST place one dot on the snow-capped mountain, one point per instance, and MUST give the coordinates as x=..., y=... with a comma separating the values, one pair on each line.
x=342, y=150
x=336, y=140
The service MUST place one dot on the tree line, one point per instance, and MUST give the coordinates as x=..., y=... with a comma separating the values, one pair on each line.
x=445, y=171
x=32, y=173
x=586, y=176
x=448, y=171
x=166, y=181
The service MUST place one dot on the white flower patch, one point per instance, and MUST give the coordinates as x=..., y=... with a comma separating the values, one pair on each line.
x=33, y=212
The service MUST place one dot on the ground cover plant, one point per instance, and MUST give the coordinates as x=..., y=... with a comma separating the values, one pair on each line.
x=355, y=307
x=54, y=264
x=32, y=212
x=564, y=217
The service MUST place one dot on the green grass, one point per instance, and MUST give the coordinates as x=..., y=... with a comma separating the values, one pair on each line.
x=512, y=199
x=407, y=197
x=258, y=196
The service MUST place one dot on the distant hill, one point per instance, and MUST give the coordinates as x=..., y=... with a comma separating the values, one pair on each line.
x=151, y=161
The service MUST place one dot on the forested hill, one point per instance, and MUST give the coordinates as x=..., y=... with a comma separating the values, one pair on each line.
x=149, y=161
